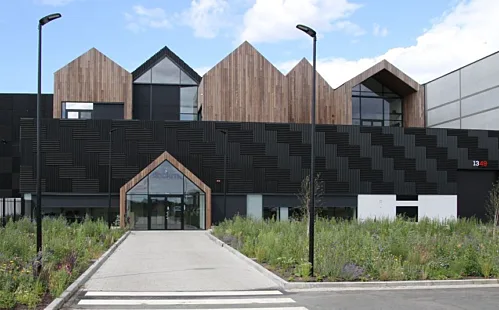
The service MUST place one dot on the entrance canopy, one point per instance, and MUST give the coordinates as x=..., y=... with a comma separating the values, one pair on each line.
x=165, y=195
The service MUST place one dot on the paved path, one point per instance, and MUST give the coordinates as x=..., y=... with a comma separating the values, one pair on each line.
x=174, y=261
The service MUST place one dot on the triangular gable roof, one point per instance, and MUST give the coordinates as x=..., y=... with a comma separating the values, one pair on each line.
x=389, y=75
x=89, y=53
x=248, y=49
x=160, y=55
x=385, y=72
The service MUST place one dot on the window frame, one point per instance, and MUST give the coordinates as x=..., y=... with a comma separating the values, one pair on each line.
x=387, y=119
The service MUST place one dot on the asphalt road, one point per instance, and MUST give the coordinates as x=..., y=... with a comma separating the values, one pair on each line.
x=427, y=299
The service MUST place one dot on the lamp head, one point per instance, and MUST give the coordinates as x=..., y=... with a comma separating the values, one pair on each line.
x=49, y=18
x=311, y=32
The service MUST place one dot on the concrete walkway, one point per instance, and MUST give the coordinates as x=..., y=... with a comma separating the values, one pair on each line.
x=174, y=261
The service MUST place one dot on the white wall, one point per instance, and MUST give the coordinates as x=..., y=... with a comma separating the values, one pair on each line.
x=254, y=206
x=376, y=206
x=440, y=207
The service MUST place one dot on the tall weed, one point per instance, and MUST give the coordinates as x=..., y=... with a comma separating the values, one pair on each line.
x=369, y=250
x=67, y=251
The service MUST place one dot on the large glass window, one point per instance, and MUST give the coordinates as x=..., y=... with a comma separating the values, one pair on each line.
x=374, y=104
x=166, y=72
x=188, y=103
x=165, y=184
x=77, y=110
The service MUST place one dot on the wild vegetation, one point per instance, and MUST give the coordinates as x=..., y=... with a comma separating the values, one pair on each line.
x=351, y=250
x=369, y=250
x=69, y=249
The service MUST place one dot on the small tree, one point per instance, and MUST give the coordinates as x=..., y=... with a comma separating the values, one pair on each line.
x=305, y=195
x=492, y=206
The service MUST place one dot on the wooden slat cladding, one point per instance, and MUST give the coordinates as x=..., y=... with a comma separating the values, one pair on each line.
x=414, y=109
x=246, y=87
x=93, y=77
x=153, y=165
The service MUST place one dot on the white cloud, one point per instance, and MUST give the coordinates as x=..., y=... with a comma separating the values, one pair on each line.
x=462, y=35
x=349, y=28
x=379, y=31
x=274, y=20
x=202, y=70
x=206, y=17
x=54, y=2
x=143, y=18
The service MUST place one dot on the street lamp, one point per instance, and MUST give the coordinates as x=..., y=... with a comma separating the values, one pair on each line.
x=109, y=178
x=311, y=32
x=226, y=137
x=4, y=218
x=45, y=20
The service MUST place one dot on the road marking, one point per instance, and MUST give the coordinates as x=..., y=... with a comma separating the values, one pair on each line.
x=166, y=302
x=266, y=308
x=180, y=294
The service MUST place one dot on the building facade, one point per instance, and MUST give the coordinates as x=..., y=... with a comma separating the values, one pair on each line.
x=170, y=131
x=466, y=98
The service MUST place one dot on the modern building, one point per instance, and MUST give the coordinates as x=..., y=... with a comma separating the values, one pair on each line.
x=170, y=132
x=469, y=100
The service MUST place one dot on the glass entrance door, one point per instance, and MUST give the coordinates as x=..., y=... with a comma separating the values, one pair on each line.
x=174, y=212
x=157, y=215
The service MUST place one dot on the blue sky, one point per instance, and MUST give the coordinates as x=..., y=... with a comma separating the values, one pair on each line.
x=424, y=38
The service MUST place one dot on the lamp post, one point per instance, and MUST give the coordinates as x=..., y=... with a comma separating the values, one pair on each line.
x=226, y=134
x=311, y=32
x=109, y=178
x=4, y=218
x=43, y=21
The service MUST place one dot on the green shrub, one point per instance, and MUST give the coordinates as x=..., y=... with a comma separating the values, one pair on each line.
x=369, y=250
x=67, y=252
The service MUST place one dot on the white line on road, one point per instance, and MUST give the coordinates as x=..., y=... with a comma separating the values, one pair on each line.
x=267, y=308
x=180, y=294
x=165, y=302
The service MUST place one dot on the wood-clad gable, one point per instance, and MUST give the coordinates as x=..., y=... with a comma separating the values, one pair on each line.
x=165, y=156
x=95, y=78
x=245, y=86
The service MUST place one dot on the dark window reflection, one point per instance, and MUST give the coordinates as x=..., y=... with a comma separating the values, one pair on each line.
x=374, y=104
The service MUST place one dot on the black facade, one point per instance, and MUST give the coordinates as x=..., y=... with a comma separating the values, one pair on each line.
x=262, y=158
x=13, y=107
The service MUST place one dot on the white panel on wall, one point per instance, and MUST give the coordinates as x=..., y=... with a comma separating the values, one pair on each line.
x=438, y=207
x=376, y=206
x=452, y=124
x=443, y=90
x=254, y=206
x=480, y=75
x=283, y=213
x=444, y=113
x=486, y=120
x=480, y=102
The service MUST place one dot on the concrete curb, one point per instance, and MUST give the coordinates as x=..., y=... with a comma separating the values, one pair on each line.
x=376, y=285
x=83, y=278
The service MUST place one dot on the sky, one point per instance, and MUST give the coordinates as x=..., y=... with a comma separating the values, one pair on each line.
x=425, y=38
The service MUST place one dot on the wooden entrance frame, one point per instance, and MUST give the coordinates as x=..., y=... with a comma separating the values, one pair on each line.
x=182, y=169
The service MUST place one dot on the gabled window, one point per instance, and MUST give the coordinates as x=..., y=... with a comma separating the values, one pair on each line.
x=374, y=104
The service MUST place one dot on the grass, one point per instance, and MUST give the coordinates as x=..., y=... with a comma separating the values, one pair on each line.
x=367, y=251
x=69, y=249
